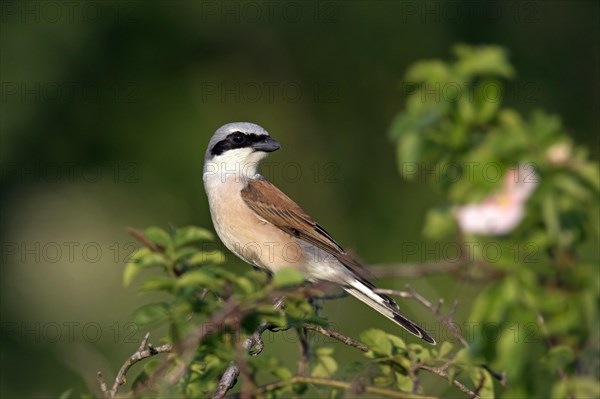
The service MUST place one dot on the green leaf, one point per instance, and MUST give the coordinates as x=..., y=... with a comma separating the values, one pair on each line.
x=431, y=71
x=418, y=353
x=268, y=314
x=439, y=223
x=512, y=355
x=190, y=235
x=488, y=97
x=158, y=236
x=551, y=218
x=66, y=394
x=130, y=273
x=158, y=283
x=451, y=373
x=287, y=277
x=560, y=356
x=589, y=172
x=377, y=341
x=182, y=253
x=481, y=377
x=245, y=285
x=482, y=60
x=576, y=387
x=445, y=348
x=571, y=186
x=151, y=313
x=466, y=110
x=199, y=278
x=404, y=382
x=409, y=153
x=206, y=258
x=326, y=365
x=324, y=351
x=397, y=342
x=141, y=259
x=462, y=357
x=283, y=373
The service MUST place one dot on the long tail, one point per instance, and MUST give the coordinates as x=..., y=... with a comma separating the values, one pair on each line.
x=363, y=290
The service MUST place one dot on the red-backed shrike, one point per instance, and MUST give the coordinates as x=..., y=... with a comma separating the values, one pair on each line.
x=265, y=228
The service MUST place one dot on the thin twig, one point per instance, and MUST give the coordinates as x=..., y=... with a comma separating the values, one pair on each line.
x=304, y=349
x=144, y=351
x=335, y=335
x=248, y=384
x=139, y=235
x=441, y=371
x=481, y=383
x=214, y=324
x=435, y=309
x=231, y=374
x=337, y=384
x=228, y=380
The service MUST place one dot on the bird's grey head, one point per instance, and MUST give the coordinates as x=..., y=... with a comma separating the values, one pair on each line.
x=238, y=146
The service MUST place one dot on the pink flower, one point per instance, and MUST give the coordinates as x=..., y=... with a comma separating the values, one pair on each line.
x=501, y=212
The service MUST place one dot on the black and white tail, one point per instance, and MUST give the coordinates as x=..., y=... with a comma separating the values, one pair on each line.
x=363, y=290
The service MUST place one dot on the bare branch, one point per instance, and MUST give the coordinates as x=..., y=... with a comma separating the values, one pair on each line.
x=441, y=371
x=228, y=380
x=214, y=324
x=435, y=309
x=303, y=360
x=102, y=383
x=144, y=351
x=248, y=384
x=139, y=235
x=338, y=384
x=230, y=376
x=335, y=335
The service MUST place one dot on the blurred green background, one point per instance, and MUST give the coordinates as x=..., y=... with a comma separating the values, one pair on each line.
x=106, y=109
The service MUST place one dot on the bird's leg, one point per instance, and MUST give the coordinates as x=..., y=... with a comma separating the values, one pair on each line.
x=255, y=343
x=317, y=301
x=317, y=304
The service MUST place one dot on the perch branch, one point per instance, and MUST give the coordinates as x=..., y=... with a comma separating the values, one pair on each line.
x=230, y=376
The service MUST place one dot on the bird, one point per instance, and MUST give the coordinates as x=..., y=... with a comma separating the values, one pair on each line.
x=265, y=228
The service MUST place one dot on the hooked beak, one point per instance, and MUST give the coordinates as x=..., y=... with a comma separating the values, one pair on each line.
x=267, y=145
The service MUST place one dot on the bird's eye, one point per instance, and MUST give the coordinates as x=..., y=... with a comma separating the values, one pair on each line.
x=238, y=138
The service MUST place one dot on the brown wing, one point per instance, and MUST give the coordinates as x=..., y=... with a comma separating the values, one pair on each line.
x=276, y=208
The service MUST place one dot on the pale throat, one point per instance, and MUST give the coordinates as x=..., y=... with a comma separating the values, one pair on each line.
x=240, y=163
